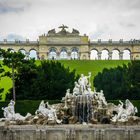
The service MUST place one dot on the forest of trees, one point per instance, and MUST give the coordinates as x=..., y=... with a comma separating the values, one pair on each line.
x=121, y=82
x=48, y=80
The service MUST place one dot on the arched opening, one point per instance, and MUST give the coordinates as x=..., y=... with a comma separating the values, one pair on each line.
x=74, y=53
x=126, y=54
x=22, y=51
x=52, y=54
x=137, y=57
x=11, y=50
x=42, y=57
x=115, y=55
x=84, y=57
x=63, y=54
x=93, y=54
x=104, y=54
x=33, y=54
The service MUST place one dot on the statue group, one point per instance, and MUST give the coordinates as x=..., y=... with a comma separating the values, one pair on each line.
x=82, y=106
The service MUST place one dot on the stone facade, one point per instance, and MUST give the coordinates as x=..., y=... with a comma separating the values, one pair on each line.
x=70, y=132
x=71, y=45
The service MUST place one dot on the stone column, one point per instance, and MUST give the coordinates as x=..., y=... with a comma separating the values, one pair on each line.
x=57, y=55
x=79, y=57
x=68, y=55
x=99, y=55
x=121, y=55
x=131, y=56
x=110, y=55
x=37, y=53
x=27, y=55
x=47, y=55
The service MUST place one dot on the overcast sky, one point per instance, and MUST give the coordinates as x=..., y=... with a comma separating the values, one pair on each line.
x=100, y=19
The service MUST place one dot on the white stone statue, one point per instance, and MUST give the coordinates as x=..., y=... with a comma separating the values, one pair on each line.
x=76, y=90
x=84, y=83
x=124, y=113
x=100, y=98
x=47, y=111
x=10, y=115
x=130, y=109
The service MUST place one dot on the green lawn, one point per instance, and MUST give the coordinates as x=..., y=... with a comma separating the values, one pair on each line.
x=81, y=66
x=93, y=66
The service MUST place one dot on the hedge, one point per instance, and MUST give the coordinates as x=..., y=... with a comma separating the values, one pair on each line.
x=24, y=106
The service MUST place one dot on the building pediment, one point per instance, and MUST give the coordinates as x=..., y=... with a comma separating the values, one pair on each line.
x=63, y=32
x=63, y=37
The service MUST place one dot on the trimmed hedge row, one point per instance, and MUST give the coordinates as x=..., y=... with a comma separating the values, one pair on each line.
x=24, y=106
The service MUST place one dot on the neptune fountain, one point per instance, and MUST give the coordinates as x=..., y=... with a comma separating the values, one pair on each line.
x=83, y=114
x=82, y=106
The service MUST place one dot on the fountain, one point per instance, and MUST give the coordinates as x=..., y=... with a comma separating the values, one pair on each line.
x=83, y=114
x=82, y=106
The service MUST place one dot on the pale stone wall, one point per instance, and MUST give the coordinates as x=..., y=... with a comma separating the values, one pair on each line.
x=70, y=41
x=69, y=132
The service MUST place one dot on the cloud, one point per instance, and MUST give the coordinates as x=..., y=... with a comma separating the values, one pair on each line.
x=13, y=37
x=124, y=24
x=97, y=18
x=7, y=6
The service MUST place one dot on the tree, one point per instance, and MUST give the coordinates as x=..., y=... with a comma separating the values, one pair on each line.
x=134, y=79
x=121, y=82
x=113, y=82
x=1, y=89
x=12, y=60
x=49, y=80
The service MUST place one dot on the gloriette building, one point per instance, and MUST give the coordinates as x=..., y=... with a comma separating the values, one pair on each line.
x=72, y=45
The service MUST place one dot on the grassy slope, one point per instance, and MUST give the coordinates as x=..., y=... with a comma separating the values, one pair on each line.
x=93, y=66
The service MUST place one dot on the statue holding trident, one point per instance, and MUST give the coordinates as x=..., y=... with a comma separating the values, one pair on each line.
x=84, y=82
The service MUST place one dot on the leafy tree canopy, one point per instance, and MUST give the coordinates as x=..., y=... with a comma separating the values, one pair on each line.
x=121, y=82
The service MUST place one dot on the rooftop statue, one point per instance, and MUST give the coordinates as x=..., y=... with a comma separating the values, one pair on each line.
x=74, y=31
x=51, y=31
x=63, y=27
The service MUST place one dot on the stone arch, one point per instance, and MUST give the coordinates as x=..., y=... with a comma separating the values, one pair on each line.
x=94, y=54
x=23, y=51
x=52, y=53
x=115, y=54
x=55, y=137
x=137, y=57
x=63, y=53
x=105, y=54
x=126, y=54
x=42, y=57
x=74, y=53
x=27, y=138
x=33, y=53
x=11, y=49
x=84, y=57
x=84, y=137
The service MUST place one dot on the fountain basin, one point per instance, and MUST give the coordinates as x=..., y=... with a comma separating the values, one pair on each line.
x=70, y=132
